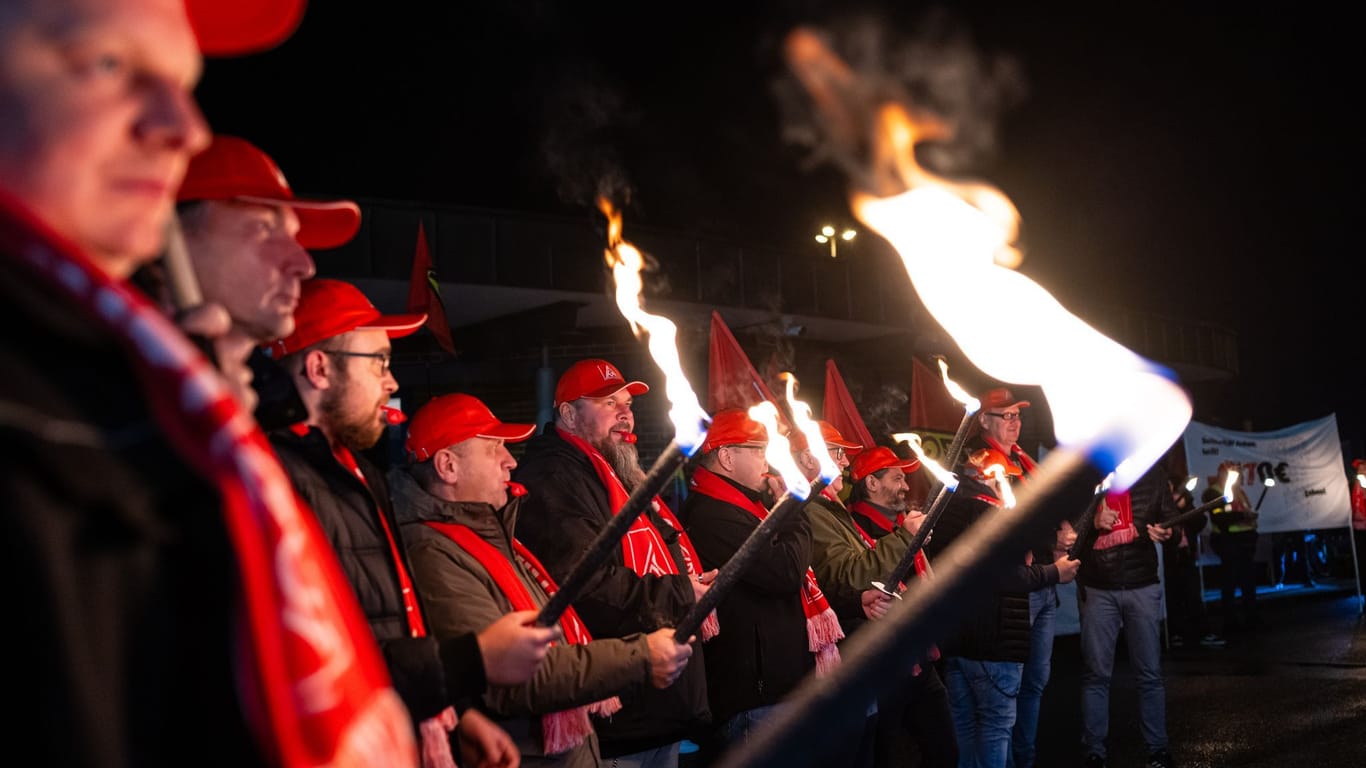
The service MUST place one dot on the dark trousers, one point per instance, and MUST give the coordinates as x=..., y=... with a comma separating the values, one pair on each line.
x=1185, y=603
x=1236, y=552
x=915, y=726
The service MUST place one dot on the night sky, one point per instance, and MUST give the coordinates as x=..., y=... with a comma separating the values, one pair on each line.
x=1197, y=165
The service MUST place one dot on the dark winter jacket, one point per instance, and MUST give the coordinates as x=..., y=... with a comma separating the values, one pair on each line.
x=763, y=650
x=1131, y=565
x=845, y=566
x=564, y=510
x=996, y=627
x=429, y=676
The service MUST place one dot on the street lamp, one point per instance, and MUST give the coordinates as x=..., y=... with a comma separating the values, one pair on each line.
x=827, y=235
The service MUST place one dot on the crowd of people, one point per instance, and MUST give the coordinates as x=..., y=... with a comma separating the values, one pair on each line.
x=211, y=568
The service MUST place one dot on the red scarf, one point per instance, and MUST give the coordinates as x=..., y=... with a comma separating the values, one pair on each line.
x=1124, y=531
x=822, y=626
x=1021, y=458
x=643, y=548
x=865, y=508
x=313, y=684
x=561, y=731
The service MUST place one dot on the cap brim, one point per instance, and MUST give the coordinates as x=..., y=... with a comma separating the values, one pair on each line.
x=396, y=325
x=634, y=387
x=512, y=433
x=322, y=223
x=241, y=27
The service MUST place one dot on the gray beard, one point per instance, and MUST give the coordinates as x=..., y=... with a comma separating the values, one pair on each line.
x=624, y=459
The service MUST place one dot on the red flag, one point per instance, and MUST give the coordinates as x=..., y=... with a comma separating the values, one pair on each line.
x=839, y=408
x=932, y=407
x=424, y=295
x=732, y=381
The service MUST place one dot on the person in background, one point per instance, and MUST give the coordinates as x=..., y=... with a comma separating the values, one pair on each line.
x=1234, y=540
x=338, y=356
x=172, y=600
x=584, y=466
x=1118, y=588
x=458, y=513
x=1186, y=617
x=1358, y=496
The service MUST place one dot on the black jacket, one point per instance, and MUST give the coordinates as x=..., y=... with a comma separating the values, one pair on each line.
x=763, y=650
x=1132, y=565
x=559, y=518
x=996, y=626
x=429, y=676
x=123, y=586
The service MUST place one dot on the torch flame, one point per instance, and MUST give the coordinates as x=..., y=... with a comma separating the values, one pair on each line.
x=802, y=420
x=1120, y=409
x=970, y=404
x=626, y=262
x=1229, y=483
x=949, y=479
x=779, y=450
x=998, y=473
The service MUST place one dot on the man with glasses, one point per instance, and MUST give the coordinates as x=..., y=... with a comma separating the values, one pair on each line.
x=339, y=356
x=997, y=663
x=775, y=612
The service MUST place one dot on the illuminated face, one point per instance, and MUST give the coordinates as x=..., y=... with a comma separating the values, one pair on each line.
x=841, y=460
x=889, y=488
x=746, y=465
x=99, y=120
x=1001, y=424
x=598, y=419
x=484, y=466
x=248, y=260
x=359, y=386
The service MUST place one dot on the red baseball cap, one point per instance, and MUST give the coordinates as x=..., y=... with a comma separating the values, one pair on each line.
x=733, y=426
x=829, y=434
x=1001, y=397
x=878, y=459
x=234, y=169
x=330, y=308
x=237, y=27
x=455, y=418
x=594, y=378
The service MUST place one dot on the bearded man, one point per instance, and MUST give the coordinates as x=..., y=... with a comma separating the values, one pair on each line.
x=580, y=470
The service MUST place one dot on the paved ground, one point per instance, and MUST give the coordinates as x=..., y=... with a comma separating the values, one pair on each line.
x=1291, y=693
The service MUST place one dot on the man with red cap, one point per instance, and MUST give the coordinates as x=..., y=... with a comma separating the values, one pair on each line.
x=580, y=470
x=985, y=655
x=245, y=234
x=916, y=719
x=778, y=625
x=459, y=517
x=997, y=441
x=338, y=356
x=174, y=603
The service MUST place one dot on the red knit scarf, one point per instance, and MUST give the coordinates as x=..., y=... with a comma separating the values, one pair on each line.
x=561, y=731
x=822, y=626
x=1124, y=530
x=865, y=508
x=313, y=683
x=643, y=548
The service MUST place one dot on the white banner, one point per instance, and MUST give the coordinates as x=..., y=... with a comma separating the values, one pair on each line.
x=1305, y=461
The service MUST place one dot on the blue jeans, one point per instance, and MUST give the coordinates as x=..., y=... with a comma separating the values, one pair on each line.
x=659, y=757
x=982, y=700
x=738, y=728
x=1103, y=613
x=1043, y=611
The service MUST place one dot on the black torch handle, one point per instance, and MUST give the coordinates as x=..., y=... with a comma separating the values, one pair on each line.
x=1084, y=525
x=950, y=459
x=1199, y=511
x=730, y=572
x=609, y=538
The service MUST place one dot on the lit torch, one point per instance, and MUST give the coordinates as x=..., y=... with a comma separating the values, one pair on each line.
x=686, y=413
x=952, y=235
x=948, y=483
x=970, y=407
x=779, y=456
x=1229, y=482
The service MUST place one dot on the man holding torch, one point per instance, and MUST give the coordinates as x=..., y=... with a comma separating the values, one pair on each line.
x=458, y=512
x=775, y=612
x=583, y=467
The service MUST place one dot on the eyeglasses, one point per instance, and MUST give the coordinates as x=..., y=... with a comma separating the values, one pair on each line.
x=384, y=358
x=836, y=453
x=1005, y=416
